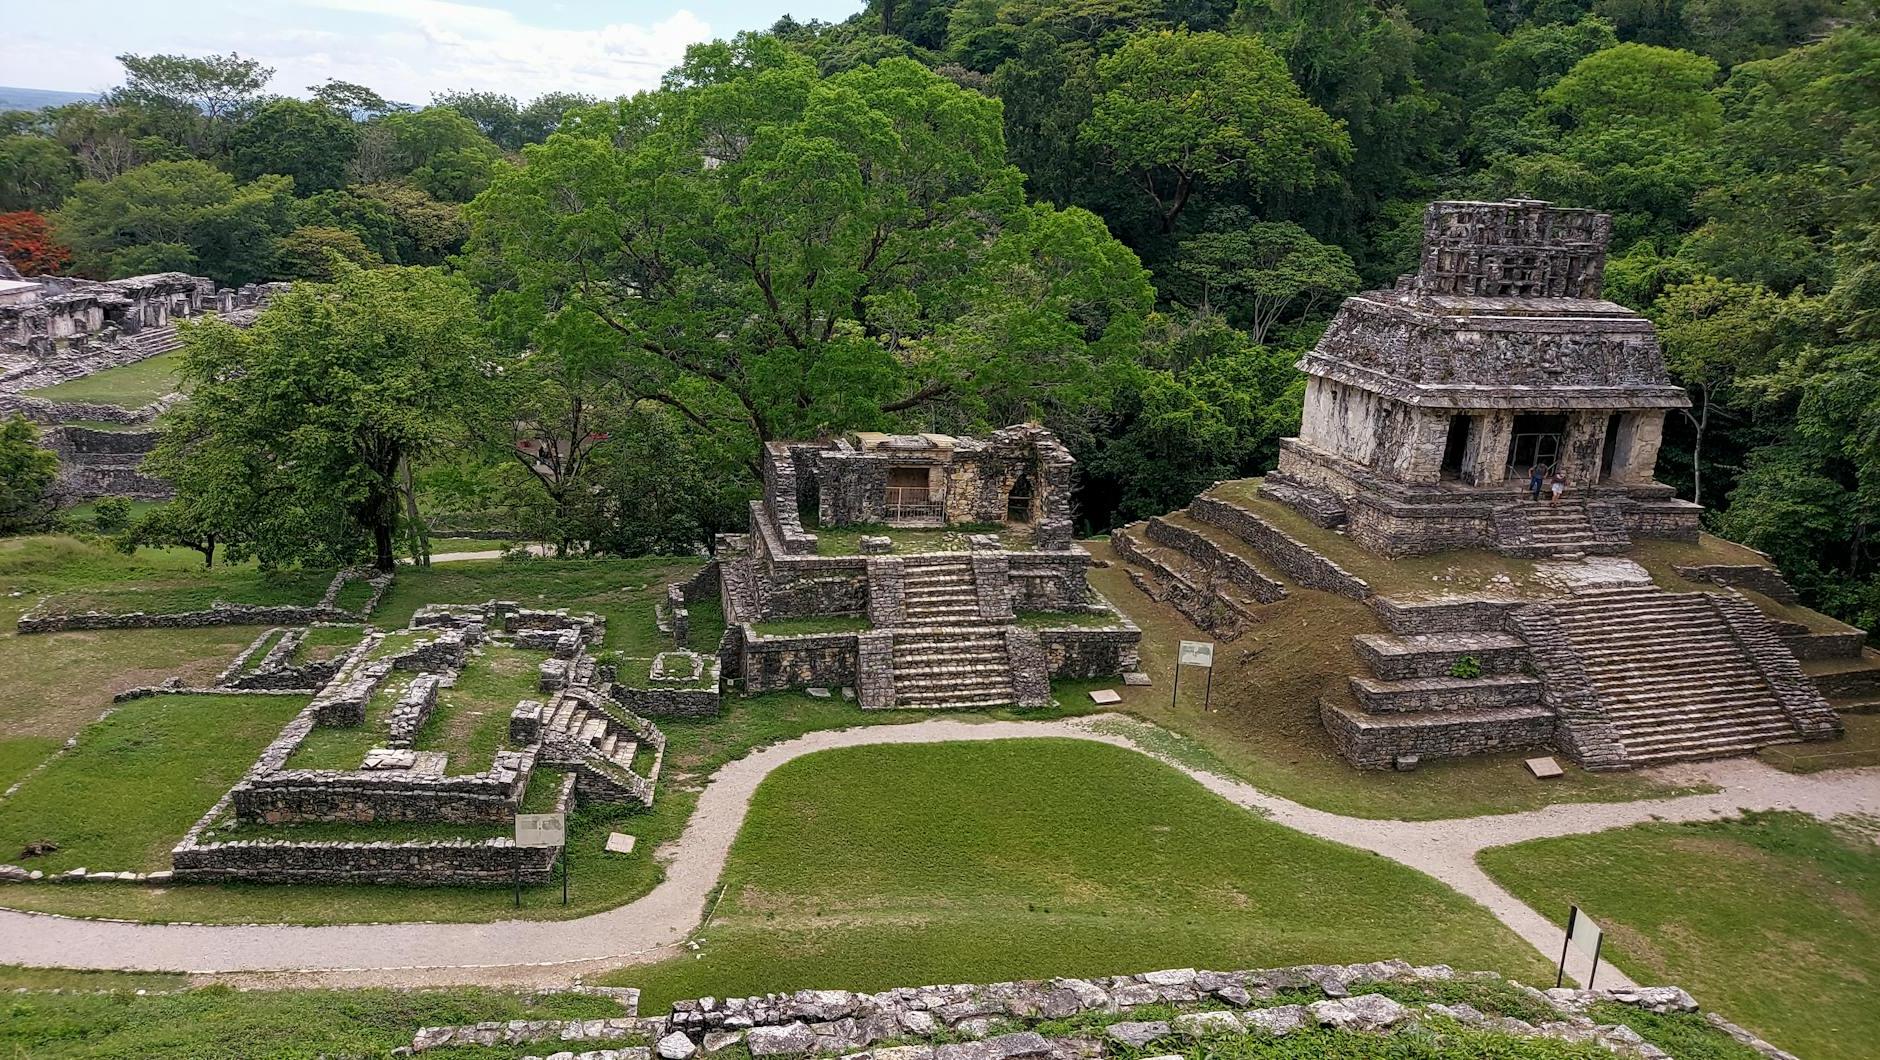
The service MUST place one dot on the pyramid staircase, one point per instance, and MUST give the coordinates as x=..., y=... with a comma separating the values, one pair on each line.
x=156, y=340
x=1670, y=677
x=940, y=590
x=1546, y=528
x=951, y=667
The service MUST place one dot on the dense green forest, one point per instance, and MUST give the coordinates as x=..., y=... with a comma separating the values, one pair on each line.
x=1124, y=218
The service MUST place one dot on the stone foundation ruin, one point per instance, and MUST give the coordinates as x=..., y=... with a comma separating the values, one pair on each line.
x=1173, y=1011
x=607, y=753
x=956, y=539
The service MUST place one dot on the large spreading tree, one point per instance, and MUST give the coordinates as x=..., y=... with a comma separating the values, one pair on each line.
x=294, y=445
x=776, y=254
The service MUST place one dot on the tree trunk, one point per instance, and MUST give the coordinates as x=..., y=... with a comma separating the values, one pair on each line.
x=382, y=542
x=422, y=553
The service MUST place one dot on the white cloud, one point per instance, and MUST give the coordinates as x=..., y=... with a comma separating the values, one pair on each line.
x=407, y=49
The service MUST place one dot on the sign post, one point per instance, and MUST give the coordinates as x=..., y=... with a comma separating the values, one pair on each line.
x=541, y=830
x=1196, y=653
x=1586, y=936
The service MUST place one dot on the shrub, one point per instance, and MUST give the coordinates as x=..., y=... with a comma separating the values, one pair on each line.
x=111, y=515
x=1468, y=668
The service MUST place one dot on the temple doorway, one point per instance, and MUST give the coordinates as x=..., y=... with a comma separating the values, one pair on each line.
x=1018, y=502
x=1536, y=441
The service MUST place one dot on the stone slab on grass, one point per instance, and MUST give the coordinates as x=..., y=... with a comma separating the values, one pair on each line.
x=1105, y=696
x=1544, y=768
x=620, y=843
x=1136, y=679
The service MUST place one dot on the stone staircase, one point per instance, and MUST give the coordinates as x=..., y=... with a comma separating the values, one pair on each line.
x=951, y=666
x=578, y=717
x=1534, y=529
x=152, y=341
x=1669, y=676
x=940, y=590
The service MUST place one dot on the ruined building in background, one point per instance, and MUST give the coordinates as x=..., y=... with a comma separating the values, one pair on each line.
x=940, y=571
x=1603, y=626
x=1429, y=403
x=56, y=328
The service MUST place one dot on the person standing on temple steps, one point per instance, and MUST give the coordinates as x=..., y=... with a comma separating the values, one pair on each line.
x=1536, y=475
x=1559, y=487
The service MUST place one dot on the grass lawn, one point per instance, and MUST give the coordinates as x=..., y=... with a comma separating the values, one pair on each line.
x=471, y=720
x=695, y=749
x=217, y=1023
x=871, y=867
x=1264, y=726
x=1860, y=747
x=130, y=385
x=1771, y=919
x=326, y=642
x=138, y=779
x=193, y=592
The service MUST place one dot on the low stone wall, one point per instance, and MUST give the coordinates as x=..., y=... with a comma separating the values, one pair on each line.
x=410, y=712
x=770, y=664
x=1215, y=560
x=1297, y=560
x=219, y=615
x=1455, y=614
x=1049, y=581
x=290, y=796
x=1371, y=741
x=1085, y=652
x=695, y=698
x=441, y=863
x=1752, y=576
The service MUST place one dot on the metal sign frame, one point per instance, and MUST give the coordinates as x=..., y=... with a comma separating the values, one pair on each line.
x=1199, y=649
x=1574, y=918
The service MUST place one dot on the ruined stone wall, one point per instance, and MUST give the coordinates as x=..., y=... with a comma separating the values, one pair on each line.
x=1215, y=560
x=1451, y=615
x=770, y=664
x=788, y=585
x=440, y=863
x=1754, y=577
x=1049, y=581
x=1372, y=742
x=303, y=795
x=777, y=514
x=1094, y=651
x=1294, y=558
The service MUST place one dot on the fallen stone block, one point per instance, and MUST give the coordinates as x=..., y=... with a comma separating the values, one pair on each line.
x=1366, y=1012
x=675, y=1046
x=1206, y=1024
x=1137, y=1034
x=1280, y=1020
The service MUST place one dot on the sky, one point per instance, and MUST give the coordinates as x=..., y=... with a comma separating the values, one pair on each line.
x=404, y=49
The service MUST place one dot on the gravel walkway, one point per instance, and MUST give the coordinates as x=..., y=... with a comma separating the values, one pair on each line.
x=538, y=952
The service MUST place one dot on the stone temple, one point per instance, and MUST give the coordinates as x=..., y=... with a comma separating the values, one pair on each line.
x=940, y=573
x=1604, y=627
x=1429, y=403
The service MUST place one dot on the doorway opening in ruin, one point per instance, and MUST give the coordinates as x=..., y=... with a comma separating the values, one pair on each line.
x=1536, y=441
x=1456, y=448
x=1611, y=448
x=1018, y=501
x=910, y=494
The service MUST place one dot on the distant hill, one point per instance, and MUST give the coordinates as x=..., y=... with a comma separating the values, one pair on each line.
x=34, y=98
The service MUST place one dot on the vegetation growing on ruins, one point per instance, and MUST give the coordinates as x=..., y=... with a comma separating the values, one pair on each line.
x=1769, y=917
x=1165, y=200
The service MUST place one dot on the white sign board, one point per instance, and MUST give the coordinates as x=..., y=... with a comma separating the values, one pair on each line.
x=1584, y=933
x=541, y=829
x=1197, y=653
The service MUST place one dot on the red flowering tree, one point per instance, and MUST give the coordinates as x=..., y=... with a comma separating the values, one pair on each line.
x=27, y=242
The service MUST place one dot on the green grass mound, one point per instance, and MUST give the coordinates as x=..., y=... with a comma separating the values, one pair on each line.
x=872, y=867
x=1772, y=919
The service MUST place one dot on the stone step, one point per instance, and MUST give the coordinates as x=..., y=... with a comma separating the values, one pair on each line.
x=1651, y=714
x=939, y=700
x=1435, y=654
x=1650, y=752
x=963, y=686
x=1444, y=694
x=1710, y=667
x=1671, y=694
x=987, y=664
x=622, y=754
x=1742, y=729
x=607, y=744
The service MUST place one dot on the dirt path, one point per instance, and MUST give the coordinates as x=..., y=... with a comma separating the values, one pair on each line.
x=542, y=952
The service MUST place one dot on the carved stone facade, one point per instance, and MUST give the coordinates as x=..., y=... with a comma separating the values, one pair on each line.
x=1428, y=404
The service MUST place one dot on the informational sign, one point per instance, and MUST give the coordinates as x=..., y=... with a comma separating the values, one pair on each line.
x=1583, y=933
x=541, y=829
x=1197, y=653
